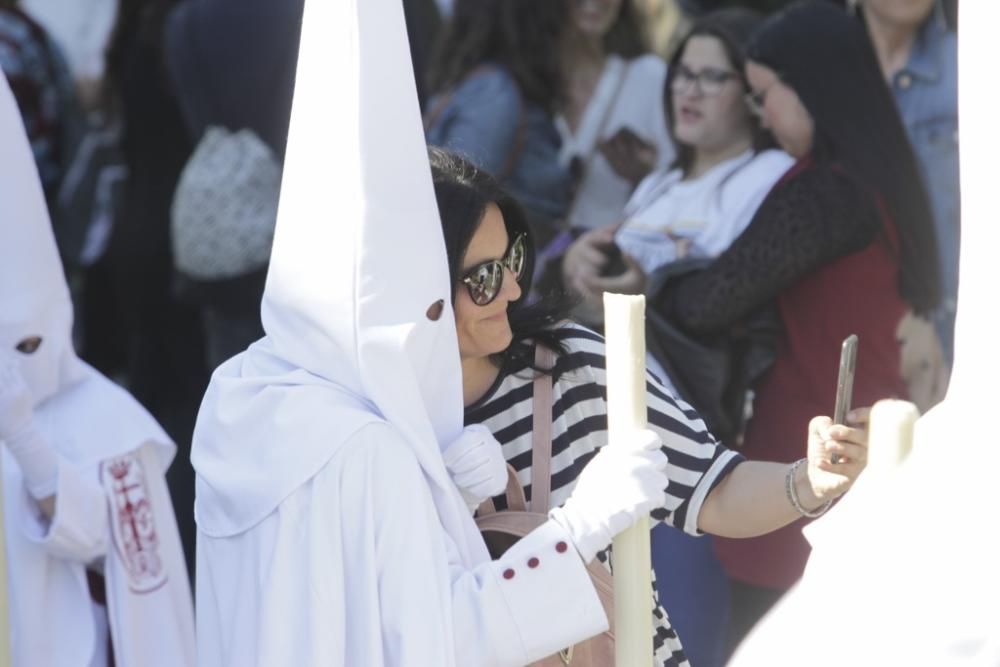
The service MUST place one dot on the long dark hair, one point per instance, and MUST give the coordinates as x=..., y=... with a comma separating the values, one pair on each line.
x=137, y=21
x=625, y=37
x=734, y=28
x=826, y=57
x=463, y=193
x=520, y=35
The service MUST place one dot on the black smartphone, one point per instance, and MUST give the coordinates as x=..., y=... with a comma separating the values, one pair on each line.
x=615, y=264
x=845, y=382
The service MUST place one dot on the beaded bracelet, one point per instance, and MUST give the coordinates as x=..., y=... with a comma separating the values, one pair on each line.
x=793, y=495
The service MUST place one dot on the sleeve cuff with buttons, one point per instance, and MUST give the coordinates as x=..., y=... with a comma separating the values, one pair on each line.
x=549, y=592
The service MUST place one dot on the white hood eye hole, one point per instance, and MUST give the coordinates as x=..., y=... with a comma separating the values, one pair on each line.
x=435, y=310
x=29, y=345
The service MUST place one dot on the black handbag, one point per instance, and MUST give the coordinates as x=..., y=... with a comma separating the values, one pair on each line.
x=715, y=374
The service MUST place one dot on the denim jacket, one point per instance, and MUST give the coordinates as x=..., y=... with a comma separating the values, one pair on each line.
x=481, y=120
x=926, y=91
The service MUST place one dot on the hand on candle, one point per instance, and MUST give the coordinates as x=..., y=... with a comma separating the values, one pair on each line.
x=827, y=480
x=625, y=481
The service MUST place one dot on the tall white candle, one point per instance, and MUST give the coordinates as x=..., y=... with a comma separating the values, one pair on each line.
x=624, y=325
x=890, y=434
x=5, y=659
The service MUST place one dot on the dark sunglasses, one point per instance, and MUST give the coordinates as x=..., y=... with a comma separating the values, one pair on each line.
x=484, y=281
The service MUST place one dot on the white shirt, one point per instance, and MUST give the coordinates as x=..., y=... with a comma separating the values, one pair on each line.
x=629, y=94
x=669, y=218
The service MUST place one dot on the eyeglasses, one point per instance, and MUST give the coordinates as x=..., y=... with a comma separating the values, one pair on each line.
x=710, y=80
x=756, y=100
x=484, y=281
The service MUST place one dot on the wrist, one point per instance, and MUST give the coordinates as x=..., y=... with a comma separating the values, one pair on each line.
x=804, y=489
x=799, y=491
x=38, y=462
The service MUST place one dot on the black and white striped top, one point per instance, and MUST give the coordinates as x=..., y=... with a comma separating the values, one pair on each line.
x=696, y=462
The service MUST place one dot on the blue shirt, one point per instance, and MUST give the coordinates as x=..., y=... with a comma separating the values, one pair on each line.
x=926, y=91
x=481, y=120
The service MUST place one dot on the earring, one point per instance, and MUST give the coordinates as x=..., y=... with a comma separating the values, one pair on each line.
x=852, y=7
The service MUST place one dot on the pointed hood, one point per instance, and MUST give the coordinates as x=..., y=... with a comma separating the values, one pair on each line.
x=33, y=292
x=358, y=260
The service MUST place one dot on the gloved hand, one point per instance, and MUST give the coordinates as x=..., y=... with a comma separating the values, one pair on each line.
x=625, y=481
x=38, y=462
x=476, y=465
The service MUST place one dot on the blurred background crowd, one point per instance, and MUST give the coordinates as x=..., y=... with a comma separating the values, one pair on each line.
x=629, y=131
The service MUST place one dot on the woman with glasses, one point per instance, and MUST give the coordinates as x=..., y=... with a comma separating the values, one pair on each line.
x=697, y=205
x=490, y=256
x=843, y=244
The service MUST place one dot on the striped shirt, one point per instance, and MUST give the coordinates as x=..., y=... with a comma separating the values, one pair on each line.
x=696, y=462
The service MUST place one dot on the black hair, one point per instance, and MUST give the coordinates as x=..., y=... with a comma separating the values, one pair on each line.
x=734, y=28
x=137, y=22
x=463, y=193
x=520, y=35
x=827, y=59
x=624, y=38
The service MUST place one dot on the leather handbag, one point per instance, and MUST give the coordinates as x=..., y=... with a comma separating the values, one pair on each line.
x=502, y=529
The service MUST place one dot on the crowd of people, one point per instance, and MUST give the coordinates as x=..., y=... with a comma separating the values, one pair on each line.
x=773, y=182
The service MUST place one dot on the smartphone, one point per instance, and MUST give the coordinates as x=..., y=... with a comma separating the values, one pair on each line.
x=845, y=382
x=615, y=265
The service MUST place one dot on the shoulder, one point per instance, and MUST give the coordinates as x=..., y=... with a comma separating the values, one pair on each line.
x=820, y=195
x=762, y=170
x=378, y=455
x=486, y=80
x=116, y=422
x=771, y=161
x=648, y=68
x=583, y=346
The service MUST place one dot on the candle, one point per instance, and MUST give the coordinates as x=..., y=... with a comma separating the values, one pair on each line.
x=5, y=658
x=624, y=324
x=890, y=434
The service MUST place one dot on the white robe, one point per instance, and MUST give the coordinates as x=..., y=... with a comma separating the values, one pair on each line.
x=127, y=534
x=329, y=531
x=381, y=584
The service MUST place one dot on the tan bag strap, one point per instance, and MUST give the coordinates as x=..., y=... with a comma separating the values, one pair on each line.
x=541, y=446
x=541, y=432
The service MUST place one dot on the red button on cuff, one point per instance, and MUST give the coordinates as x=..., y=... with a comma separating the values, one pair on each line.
x=561, y=547
x=533, y=563
x=508, y=574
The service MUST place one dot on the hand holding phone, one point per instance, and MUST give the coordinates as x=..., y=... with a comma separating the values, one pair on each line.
x=845, y=383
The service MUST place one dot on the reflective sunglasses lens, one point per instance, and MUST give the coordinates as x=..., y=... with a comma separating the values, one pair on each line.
x=485, y=282
x=516, y=257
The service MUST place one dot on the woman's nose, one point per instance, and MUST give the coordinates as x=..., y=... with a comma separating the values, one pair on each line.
x=511, y=287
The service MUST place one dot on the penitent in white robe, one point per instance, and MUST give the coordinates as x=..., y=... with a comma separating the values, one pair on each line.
x=382, y=584
x=329, y=531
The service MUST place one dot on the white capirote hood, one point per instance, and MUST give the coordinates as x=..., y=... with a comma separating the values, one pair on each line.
x=34, y=298
x=358, y=259
x=83, y=415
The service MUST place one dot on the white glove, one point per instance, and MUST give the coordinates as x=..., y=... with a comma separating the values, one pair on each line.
x=38, y=462
x=476, y=465
x=625, y=481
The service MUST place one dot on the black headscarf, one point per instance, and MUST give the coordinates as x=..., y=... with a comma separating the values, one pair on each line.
x=826, y=57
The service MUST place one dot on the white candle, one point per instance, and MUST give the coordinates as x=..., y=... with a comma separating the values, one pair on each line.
x=890, y=434
x=5, y=658
x=625, y=334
